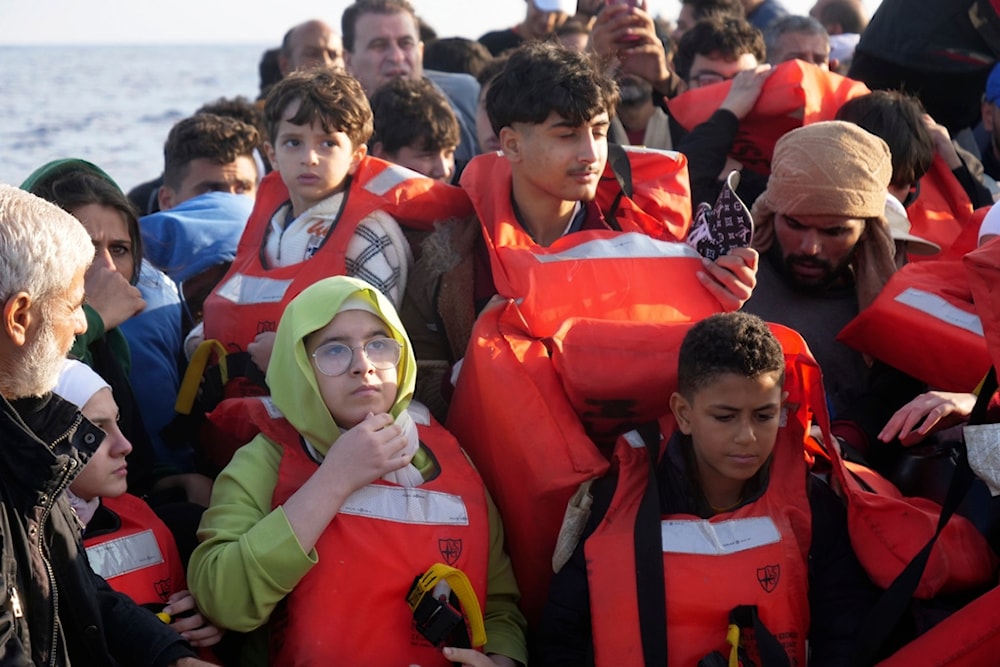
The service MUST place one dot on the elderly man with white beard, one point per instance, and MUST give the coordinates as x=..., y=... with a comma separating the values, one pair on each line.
x=53, y=608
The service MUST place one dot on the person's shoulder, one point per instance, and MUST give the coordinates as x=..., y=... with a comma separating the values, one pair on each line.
x=460, y=88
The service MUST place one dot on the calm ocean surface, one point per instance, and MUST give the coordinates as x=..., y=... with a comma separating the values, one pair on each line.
x=112, y=105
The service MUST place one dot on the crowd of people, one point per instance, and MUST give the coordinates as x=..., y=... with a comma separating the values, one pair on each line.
x=420, y=358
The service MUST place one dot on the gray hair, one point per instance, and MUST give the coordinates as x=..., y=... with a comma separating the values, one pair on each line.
x=42, y=247
x=792, y=23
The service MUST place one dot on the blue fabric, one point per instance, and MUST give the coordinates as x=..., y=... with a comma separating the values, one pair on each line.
x=195, y=235
x=155, y=341
x=766, y=13
x=462, y=91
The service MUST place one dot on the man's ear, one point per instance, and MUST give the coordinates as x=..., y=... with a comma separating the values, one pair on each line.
x=378, y=150
x=510, y=143
x=682, y=412
x=17, y=318
x=284, y=66
x=165, y=196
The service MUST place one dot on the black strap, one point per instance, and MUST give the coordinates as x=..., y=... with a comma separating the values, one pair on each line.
x=770, y=650
x=889, y=610
x=650, y=592
x=622, y=169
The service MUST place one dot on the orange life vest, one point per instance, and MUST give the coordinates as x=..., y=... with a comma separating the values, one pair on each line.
x=925, y=324
x=350, y=608
x=529, y=427
x=702, y=587
x=796, y=93
x=982, y=267
x=771, y=572
x=942, y=210
x=251, y=298
x=140, y=559
x=970, y=637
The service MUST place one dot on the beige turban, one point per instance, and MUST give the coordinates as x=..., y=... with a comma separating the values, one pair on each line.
x=833, y=168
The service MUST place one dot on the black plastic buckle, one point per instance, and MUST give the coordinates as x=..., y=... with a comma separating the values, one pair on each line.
x=436, y=619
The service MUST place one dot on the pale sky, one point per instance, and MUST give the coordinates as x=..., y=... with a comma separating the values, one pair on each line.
x=246, y=21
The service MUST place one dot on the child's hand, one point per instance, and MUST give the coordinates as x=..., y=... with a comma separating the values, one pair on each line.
x=368, y=451
x=194, y=627
x=260, y=350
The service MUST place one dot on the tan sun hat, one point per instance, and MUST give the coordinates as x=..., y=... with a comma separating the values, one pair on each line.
x=899, y=228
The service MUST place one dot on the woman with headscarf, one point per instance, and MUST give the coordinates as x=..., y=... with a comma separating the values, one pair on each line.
x=349, y=493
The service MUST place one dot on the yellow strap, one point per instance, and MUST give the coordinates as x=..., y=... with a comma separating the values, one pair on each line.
x=196, y=371
x=461, y=587
x=733, y=639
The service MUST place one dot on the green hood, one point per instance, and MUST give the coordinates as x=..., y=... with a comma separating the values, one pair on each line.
x=290, y=374
x=40, y=177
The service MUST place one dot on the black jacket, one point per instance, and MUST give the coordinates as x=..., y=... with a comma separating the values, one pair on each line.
x=54, y=610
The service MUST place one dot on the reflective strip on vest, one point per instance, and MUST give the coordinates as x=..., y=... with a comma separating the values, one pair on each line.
x=407, y=505
x=390, y=177
x=654, y=151
x=244, y=289
x=939, y=308
x=630, y=245
x=720, y=538
x=125, y=554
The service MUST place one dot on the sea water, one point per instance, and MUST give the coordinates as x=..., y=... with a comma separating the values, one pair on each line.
x=112, y=105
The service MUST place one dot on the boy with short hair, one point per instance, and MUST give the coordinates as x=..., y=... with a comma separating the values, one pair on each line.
x=415, y=127
x=732, y=470
x=318, y=122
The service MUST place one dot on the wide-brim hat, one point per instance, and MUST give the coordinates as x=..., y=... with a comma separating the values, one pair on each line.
x=899, y=228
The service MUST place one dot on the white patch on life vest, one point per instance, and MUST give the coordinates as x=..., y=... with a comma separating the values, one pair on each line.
x=654, y=151
x=243, y=289
x=272, y=410
x=940, y=309
x=717, y=539
x=407, y=505
x=389, y=178
x=125, y=554
x=629, y=245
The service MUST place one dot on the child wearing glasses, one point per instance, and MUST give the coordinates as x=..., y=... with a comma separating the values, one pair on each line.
x=320, y=525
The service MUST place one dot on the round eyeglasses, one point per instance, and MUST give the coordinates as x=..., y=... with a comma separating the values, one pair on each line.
x=335, y=359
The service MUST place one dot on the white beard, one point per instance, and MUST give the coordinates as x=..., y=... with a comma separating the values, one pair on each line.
x=35, y=371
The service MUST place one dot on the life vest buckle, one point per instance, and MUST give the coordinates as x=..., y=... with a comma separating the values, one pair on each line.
x=430, y=600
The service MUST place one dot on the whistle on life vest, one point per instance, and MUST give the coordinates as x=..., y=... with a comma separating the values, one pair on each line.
x=436, y=617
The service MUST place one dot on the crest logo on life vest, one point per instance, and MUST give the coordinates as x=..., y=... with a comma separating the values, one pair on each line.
x=450, y=550
x=768, y=576
x=162, y=588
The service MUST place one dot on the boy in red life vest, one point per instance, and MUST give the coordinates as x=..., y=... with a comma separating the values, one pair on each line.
x=318, y=122
x=550, y=109
x=126, y=542
x=740, y=522
x=319, y=526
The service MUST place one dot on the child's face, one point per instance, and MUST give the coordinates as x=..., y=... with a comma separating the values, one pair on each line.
x=313, y=163
x=105, y=473
x=436, y=163
x=362, y=388
x=733, y=424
